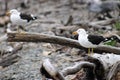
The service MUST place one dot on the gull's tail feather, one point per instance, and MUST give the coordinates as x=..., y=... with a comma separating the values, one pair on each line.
x=34, y=17
x=114, y=37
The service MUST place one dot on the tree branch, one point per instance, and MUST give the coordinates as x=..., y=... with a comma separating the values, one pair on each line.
x=77, y=68
x=49, y=71
x=37, y=37
x=10, y=58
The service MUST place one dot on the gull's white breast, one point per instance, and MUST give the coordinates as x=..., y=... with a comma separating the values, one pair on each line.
x=16, y=20
x=83, y=40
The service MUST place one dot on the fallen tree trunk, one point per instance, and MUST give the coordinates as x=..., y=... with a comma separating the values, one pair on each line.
x=37, y=37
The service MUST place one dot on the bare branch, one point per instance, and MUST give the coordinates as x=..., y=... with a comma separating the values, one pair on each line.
x=11, y=50
x=49, y=71
x=76, y=68
x=36, y=37
x=10, y=58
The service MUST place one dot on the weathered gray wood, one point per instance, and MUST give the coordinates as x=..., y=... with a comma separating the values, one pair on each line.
x=37, y=37
x=48, y=69
x=11, y=57
x=76, y=68
x=113, y=71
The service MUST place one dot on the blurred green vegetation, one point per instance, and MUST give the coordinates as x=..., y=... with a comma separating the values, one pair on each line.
x=111, y=43
x=117, y=25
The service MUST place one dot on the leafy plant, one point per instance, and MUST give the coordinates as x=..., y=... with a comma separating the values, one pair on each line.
x=117, y=25
x=111, y=43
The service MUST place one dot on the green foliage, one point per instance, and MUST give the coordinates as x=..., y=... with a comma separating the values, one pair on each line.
x=111, y=43
x=117, y=25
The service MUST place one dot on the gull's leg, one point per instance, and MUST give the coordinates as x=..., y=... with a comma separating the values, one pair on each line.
x=92, y=50
x=88, y=51
x=20, y=30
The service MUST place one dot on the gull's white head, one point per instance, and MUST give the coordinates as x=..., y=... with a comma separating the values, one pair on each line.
x=13, y=11
x=80, y=31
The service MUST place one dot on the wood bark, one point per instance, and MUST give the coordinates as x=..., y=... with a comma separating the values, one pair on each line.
x=37, y=37
x=76, y=68
x=113, y=71
x=49, y=71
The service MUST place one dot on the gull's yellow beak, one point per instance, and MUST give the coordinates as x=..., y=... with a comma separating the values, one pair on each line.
x=8, y=13
x=74, y=33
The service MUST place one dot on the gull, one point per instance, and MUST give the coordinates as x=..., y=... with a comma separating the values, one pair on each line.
x=90, y=41
x=20, y=19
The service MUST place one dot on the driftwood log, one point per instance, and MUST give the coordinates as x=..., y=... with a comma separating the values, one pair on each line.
x=10, y=56
x=9, y=60
x=37, y=37
x=95, y=67
x=49, y=71
x=113, y=71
